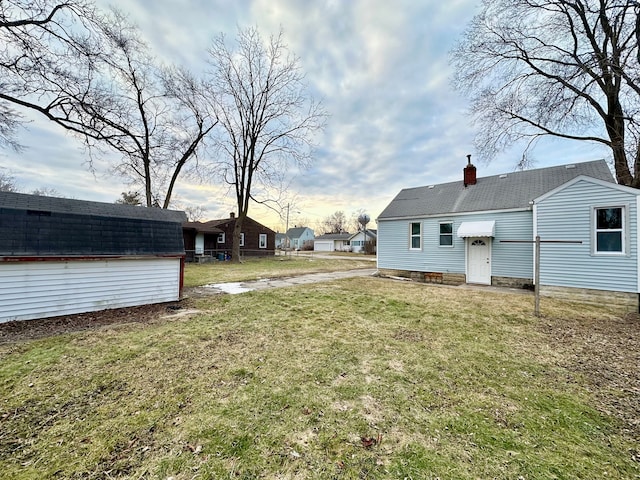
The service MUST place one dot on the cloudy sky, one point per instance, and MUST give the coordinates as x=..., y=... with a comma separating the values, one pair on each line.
x=379, y=67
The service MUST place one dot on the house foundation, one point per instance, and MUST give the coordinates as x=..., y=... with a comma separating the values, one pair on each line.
x=623, y=301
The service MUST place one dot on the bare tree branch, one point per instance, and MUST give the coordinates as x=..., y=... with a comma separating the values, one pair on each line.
x=561, y=68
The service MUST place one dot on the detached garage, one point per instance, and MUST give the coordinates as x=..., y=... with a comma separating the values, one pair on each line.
x=60, y=256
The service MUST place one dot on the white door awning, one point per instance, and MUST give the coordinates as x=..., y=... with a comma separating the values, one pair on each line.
x=477, y=229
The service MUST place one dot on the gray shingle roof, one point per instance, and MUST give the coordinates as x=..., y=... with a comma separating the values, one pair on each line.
x=498, y=192
x=296, y=232
x=334, y=236
x=21, y=201
x=201, y=227
x=38, y=226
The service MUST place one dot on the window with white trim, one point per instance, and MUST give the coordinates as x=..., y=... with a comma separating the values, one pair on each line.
x=221, y=237
x=242, y=239
x=609, y=230
x=446, y=234
x=263, y=240
x=415, y=236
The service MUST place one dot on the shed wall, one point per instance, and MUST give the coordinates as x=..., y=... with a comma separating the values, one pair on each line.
x=566, y=215
x=40, y=289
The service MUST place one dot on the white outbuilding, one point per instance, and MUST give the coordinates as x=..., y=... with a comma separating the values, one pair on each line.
x=62, y=256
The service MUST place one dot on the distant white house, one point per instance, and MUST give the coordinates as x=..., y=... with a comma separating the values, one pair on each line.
x=358, y=240
x=332, y=242
x=300, y=237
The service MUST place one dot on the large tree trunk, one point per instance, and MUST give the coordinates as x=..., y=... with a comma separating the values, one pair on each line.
x=615, y=126
x=235, y=246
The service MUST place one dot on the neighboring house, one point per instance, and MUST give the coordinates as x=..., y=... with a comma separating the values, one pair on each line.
x=61, y=256
x=281, y=240
x=358, y=240
x=332, y=242
x=199, y=240
x=255, y=238
x=300, y=237
x=465, y=231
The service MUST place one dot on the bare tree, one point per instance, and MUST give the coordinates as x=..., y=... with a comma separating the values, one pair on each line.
x=92, y=74
x=195, y=213
x=46, y=192
x=8, y=182
x=129, y=198
x=266, y=117
x=335, y=223
x=562, y=68
x=42, y=42
x=155, y=118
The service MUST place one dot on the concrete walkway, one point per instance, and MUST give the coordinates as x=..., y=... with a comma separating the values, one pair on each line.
x=263, y=284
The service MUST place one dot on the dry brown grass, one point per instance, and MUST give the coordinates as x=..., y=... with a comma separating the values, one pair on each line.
x=362, y=378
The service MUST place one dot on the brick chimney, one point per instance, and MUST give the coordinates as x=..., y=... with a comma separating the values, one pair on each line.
x=469, y=173
x=232, y=215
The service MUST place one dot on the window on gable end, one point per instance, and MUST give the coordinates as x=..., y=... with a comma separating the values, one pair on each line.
x=221, y=237
x=609, y=230
x=263, y=240
x=242, y=239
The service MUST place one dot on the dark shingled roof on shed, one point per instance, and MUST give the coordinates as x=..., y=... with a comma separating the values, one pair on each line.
x=499, y=192
x=32, y=225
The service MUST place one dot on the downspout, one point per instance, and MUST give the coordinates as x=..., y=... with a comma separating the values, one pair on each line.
x=535, y=234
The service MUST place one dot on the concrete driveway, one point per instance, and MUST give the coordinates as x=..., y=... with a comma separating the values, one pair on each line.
x=263, y=284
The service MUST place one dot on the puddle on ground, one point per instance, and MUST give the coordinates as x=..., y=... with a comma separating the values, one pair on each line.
x=232, y=288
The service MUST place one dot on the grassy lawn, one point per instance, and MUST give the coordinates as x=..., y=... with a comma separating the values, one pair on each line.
x=267, y=267
x=362, y=378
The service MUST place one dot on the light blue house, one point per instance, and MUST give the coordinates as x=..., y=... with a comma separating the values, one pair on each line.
x=480, y=230
x=300, y=237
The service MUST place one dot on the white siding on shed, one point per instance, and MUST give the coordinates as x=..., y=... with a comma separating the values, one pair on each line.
x=566, y=215
x=39, y=289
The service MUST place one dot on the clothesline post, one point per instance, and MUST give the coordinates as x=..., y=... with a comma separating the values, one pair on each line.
x=536, y=265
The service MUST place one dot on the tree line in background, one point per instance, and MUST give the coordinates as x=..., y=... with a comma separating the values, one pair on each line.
x=91, y=73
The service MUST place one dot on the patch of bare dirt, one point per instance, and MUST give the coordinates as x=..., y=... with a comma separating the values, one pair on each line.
x=606, y=353
x=17, y=331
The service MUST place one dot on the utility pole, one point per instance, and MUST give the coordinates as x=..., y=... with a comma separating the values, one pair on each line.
x=286, y=232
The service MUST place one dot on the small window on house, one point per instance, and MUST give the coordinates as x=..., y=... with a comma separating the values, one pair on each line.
x=263, y=240
x=221, y=237
x=415, y=234
x=609, y=234
x=446, y=234
x=242, y=239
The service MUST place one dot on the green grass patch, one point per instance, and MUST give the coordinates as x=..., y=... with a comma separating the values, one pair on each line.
x=362, y=378
x=266, y=267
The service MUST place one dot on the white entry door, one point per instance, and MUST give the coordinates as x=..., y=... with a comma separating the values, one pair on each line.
x=479, y=260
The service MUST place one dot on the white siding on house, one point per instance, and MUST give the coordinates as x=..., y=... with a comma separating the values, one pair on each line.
x=566, y=215
x=508, y=259
x=39, y=289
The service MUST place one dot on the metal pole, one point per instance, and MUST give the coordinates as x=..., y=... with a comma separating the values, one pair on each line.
x=537, y=276
x=286, y=233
